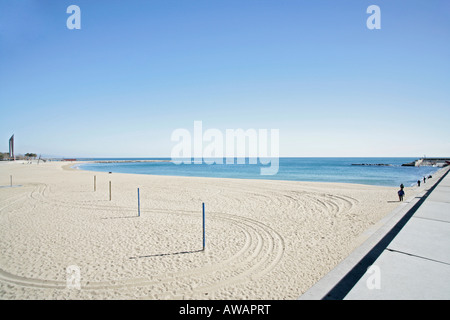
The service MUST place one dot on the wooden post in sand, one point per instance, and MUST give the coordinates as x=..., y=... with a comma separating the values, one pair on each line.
x=10, y=178
x=204, y=242
x=139, y=205
x=110, y=191
x=95, y=183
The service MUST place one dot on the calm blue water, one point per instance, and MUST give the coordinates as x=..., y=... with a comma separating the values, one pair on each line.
x=296, y=169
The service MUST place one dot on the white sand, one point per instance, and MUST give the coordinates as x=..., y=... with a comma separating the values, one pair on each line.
x=265, y=239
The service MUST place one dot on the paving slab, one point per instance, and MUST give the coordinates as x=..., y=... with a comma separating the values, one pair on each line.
x=429, y=239
x=434, y=210
x=440, y=194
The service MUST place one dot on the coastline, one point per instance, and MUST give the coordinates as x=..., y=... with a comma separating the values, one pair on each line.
x=75, y=163
x=266, y=239
x=338, y=170
x=127, y=161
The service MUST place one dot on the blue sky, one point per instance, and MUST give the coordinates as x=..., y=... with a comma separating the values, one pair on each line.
x=138, y=70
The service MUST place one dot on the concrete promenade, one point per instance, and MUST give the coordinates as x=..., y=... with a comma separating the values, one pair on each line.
x=408, y=257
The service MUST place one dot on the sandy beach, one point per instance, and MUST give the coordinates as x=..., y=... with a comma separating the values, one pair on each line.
x=264, y=239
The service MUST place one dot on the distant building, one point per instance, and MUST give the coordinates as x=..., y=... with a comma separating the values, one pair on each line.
x=11, y=148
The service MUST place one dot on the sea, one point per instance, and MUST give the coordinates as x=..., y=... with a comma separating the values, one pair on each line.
x=368, y=171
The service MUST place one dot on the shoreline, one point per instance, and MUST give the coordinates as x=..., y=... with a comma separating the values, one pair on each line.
x=77, y=163
x=266, y=239
x=127, y=161
x=70, y=167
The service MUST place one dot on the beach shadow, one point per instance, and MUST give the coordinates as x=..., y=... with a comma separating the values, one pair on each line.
x=167, y=254
x=126, y=217
x=393, y=201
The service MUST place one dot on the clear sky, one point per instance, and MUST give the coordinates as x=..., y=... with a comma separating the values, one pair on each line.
x=138, y=70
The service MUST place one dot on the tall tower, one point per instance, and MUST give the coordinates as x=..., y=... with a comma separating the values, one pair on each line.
x=11, y=148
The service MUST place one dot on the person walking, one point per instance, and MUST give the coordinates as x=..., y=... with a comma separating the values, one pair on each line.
x=418, y=183
x=401, y=194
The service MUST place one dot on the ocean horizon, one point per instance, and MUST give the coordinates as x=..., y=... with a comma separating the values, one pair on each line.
x=381, y=171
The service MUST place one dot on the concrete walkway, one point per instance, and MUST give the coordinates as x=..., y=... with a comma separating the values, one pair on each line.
x=407, y=258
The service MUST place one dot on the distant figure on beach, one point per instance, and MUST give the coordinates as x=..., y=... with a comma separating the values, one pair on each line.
x=424, y=179
x=402, y=186
x=418, y=183
x=401, y=194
